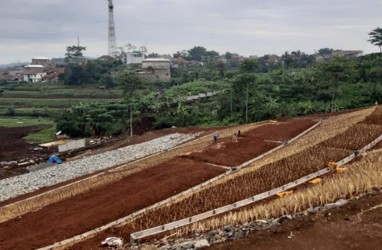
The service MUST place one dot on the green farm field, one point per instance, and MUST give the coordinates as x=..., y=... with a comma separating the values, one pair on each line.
x=45, y=102
x=59, y=91
x=24, y=105
x=44, y=135
x=49, y=100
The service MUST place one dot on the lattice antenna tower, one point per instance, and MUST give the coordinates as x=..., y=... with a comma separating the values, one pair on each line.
x=112, y=45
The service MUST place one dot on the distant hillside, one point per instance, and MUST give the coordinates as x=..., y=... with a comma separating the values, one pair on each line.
x=10, y=65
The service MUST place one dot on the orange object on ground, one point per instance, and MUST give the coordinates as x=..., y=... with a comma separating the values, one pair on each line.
x=332, y=165
x=315, y=181
x=282, y=194
x=340, y=170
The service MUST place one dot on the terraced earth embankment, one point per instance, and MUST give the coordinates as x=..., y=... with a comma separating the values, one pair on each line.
x=307, y=146
x=125, y=190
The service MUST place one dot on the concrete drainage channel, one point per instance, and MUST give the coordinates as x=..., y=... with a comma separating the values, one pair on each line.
x=122, y=221
x=134, y=237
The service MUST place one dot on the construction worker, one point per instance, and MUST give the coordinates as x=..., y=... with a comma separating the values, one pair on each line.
x=215, y=137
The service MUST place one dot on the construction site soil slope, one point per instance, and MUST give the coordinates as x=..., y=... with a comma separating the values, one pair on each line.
x=101, y=206
x=98, y=207
x=251, y=144
x=291, y=128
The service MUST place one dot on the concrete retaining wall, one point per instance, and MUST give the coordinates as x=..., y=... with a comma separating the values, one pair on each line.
x=71, y=145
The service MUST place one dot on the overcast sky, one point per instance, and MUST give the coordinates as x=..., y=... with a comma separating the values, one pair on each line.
x=30, y=28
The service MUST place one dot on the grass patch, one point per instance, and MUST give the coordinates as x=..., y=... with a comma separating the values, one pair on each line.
x=59, y=91
x=42, y=136
x=45, y=135
x=35, y=102
x=23, y=121
x=35, y=112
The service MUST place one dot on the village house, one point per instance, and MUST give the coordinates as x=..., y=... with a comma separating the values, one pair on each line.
x=178, y=62
x=53, y=75
x=45, y=62
x=338, y=53
x=156, y=69
x=133, y=57
x=33, y=75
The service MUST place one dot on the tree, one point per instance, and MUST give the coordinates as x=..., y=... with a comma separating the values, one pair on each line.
x=94, y=71
x=73, y=74
x=376, y=38
x=325, y=51
x=336, y=72
x=228, y=55
x=74, y=53
x=130, y=83
x=249, y=66
x=197, y=53
x=182, y=54
x=241, y=88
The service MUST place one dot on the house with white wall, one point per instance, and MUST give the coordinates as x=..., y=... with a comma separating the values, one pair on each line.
x=33, y=75
x=156, y=69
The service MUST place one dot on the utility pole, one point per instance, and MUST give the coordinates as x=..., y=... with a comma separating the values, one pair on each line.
x=246, y=104
x=131, y=120
x=112, y=44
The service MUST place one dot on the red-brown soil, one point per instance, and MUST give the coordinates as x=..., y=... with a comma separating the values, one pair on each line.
x=13, y=147
x=101, y=206
x=252, y=143
x=356, y=225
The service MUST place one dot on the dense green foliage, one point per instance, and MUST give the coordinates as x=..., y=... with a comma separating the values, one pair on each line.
x=96, y=96
x=246, y=94
x=92, y=72
x=94, y=119
x=197, y=53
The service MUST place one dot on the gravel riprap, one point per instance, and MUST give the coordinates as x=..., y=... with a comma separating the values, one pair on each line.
x=26, y=183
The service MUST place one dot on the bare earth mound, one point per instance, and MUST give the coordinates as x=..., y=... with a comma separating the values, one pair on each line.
x=12, y=146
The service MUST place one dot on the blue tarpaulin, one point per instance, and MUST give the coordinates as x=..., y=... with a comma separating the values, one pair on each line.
x=54, y=159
